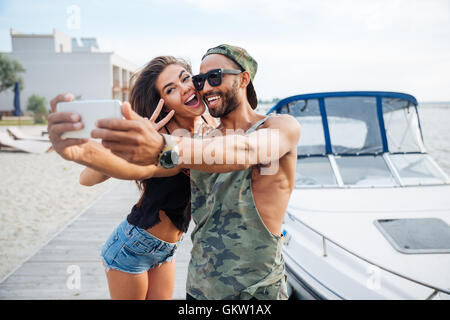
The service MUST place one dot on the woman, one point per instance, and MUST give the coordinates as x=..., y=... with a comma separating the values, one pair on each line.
x=138, y=255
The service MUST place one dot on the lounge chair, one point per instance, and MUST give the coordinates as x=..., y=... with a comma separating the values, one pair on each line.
x=20, y=135
x=24, y=145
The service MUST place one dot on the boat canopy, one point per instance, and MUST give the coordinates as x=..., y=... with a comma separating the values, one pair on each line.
x=361, y=122
x=360, y=139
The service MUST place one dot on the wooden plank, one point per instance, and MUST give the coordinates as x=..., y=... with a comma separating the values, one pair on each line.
x=182, y=257
x=45, y=275
x=49, y=281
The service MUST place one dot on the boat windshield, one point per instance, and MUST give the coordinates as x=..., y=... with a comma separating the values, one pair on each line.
x=351, y=125
x=315, y=171
x=362, y=139
x=368, y=171
x=402, y=126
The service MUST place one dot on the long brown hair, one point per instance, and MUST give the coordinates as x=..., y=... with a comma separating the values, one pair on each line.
x=144, y=96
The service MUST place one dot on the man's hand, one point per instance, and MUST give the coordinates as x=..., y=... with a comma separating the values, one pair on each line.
x=60, y=122
x=134, y=138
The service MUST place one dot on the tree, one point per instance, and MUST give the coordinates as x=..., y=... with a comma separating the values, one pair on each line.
x=38, y=105
x=9, y=72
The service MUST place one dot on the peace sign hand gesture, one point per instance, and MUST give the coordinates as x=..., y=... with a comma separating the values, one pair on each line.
x=164, y=121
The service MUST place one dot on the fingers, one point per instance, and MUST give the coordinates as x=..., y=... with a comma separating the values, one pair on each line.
x=56, y=130
x=59, y=117
x=61, y=122
x=157, y=110
x=123, y=137
x=128, y=112
x=64, y=97
x=120, y=124
x=164, y=121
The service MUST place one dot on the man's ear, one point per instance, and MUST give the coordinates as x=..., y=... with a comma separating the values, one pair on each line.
x=245, y=79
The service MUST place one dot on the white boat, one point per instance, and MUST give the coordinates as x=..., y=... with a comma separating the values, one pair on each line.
x=370, y=212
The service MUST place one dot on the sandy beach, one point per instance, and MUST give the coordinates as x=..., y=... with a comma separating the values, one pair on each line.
x=39, y=194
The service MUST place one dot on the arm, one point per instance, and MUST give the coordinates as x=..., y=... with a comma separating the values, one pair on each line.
x=93, y=154
x=141, y=144
x=103, y=164
x=90, y=177
x=277, y=137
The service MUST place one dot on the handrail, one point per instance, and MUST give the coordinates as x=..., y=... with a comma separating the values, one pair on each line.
x=299, y=156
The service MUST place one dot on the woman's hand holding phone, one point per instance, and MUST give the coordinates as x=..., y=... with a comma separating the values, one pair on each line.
x=61, y=122
x=134, y=138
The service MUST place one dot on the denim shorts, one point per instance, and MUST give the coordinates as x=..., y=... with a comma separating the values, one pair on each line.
x=134, y=250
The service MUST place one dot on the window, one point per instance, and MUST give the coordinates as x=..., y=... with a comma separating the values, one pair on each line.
x=314, y=171
x=416, y=169
x=353, y=124
x=402, y=126
x=307, y=113
x=365, y=171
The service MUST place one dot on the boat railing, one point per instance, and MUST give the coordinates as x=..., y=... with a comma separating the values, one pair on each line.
x=325, y=239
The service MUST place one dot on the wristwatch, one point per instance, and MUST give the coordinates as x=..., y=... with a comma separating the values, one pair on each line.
x=169, y=156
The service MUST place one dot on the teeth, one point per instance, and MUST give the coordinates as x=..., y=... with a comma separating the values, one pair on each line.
x=191, y=97
x=213, y=98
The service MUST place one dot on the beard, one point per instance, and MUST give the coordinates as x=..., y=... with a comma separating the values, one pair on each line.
x=230, y=102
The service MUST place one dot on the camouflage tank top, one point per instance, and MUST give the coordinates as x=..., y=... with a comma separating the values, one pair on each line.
x=234, y=255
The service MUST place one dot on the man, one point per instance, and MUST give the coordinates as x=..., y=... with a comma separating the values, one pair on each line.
x=238, y=208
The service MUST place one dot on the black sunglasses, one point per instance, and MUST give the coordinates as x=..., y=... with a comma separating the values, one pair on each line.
x=214, y=78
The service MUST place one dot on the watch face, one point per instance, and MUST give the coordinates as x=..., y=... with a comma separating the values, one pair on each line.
x=169, y=159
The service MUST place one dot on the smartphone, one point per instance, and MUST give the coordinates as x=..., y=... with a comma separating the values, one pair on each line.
x=90, y=111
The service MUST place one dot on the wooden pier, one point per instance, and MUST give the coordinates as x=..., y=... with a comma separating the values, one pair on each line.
x=69, y=265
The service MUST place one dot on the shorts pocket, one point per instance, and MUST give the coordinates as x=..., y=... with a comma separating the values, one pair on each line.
x=136, y=246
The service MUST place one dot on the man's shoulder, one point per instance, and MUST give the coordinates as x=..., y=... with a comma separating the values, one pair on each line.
x=282, y=122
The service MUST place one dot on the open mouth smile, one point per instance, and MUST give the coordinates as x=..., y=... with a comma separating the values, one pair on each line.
x=193, y=101
x=212, y=100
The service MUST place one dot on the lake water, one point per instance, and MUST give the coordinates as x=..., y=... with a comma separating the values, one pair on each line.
x=435, y=122
x=434, y=119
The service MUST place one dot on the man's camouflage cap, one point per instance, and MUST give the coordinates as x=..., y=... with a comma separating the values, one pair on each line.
x=244, y=60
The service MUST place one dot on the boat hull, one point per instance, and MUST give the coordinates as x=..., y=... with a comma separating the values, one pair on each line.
x=333, y=249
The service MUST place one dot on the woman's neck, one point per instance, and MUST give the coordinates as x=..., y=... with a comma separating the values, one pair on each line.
x=187, y=123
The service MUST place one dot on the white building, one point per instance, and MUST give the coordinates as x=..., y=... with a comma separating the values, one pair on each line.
x=56, y=63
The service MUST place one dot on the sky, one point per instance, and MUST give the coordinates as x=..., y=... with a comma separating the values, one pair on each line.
x=301, y=46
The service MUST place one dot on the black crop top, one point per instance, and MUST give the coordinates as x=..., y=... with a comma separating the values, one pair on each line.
x=170, y=194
